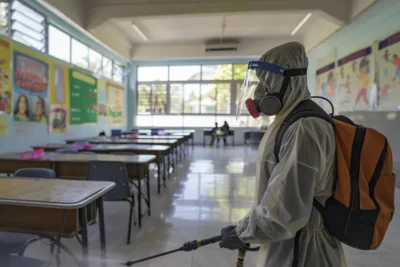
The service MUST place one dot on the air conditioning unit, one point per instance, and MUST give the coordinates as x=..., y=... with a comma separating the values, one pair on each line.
x=218, y=45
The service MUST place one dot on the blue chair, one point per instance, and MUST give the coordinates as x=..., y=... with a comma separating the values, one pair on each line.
x=113, y=171
x=67, y=151
x=13, y=243
x=18, y=261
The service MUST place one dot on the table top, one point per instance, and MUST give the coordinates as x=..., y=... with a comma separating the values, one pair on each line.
x=132, y=147
x=125, y=141
x=166, y=130
x=106, y=147
x=51, y=193
x=158, y=137
x=59, y=157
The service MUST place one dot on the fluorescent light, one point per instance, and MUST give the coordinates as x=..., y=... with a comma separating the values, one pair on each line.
x=144, y=37
x=301, y=23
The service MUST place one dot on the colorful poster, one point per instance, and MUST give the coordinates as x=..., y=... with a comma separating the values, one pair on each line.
x=83, y=98
x=102, y=109
x=388, y=74
x=30, y=88
x=58, y=119
x=356, y=80
x=115, y=103
x=4, y=132
x=326, y=85
x=59, y=86
x=5, y=76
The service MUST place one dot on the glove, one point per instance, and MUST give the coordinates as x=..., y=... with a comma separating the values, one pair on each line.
x=230, y=240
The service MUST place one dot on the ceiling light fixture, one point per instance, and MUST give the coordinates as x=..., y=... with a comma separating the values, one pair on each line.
x=301, y=23
x=136, y=28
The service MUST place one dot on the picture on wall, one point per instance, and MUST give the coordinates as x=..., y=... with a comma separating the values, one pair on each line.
x=115, y=103
x=388, y=74
x=325, y=85
x=356, y=80
x=58, y=119
x=30, y=89
x=5, y=76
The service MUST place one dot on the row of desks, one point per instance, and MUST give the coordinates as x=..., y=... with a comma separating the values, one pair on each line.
x=41, y=206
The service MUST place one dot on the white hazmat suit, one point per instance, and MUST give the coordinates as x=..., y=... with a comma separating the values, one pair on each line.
x=283, y=220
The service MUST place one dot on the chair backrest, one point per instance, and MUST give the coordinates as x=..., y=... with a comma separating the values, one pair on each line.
x=36, y=173
x=67, y=151
x=111, y=171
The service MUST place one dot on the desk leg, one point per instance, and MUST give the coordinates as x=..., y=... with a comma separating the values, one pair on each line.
x=84, y=234
x=204, y=140
x=159, y=177
x=169, y=164
x=102, y=227
x=140, y=201
x=148, y=190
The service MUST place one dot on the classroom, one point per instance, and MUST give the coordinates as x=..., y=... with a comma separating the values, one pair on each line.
x=198, y=133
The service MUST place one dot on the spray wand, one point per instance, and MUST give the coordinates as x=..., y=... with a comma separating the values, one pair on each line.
x=193, y=245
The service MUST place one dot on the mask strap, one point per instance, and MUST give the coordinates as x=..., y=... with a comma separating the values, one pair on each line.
x=287, y=74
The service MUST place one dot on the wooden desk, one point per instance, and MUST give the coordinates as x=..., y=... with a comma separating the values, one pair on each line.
x=247, y=135
x=170, y=142
x=52, y=207
x=160, y=152
x=189, y=133
x=174, y=143
x=75, y=166
x=207, y=132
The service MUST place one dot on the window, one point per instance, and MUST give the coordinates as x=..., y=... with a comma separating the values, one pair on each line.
x=107, y=68
x=95, y=63
x=189, y=96
x=217, y=72
x=184, y=73
x=59, y=44
x=239, y=71
x=151, y=74
x=80, y=54
x=176, y=103
x=28, y=26
x=117, y=72
x=4, y=18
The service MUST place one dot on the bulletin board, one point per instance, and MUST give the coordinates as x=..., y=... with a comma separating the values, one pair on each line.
x=5, y=76
x=115, y=104
x=83, y=97
x=388, y=73
x=30, y=86
x=356, y=72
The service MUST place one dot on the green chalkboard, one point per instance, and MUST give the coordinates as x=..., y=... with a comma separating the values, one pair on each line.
x=82, y=98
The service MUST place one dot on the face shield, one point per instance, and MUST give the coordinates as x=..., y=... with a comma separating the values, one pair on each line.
x=262, y=78
x=264, y=87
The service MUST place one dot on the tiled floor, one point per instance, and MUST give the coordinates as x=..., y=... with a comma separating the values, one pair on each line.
x=213, y=188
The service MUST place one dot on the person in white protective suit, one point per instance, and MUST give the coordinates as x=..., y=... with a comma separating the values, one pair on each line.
x=283, y=220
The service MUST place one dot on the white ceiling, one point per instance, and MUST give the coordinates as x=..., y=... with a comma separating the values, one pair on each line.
x=179, y=28
x=202, y=27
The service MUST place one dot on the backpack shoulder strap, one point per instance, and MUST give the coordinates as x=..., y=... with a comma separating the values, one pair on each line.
x=306, y=108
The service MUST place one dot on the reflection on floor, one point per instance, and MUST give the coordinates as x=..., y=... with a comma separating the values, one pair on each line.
x=213, y=188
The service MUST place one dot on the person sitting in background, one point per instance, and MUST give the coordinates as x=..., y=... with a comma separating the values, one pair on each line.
x=213, y=134
x=102, y=134
x=225, y=132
